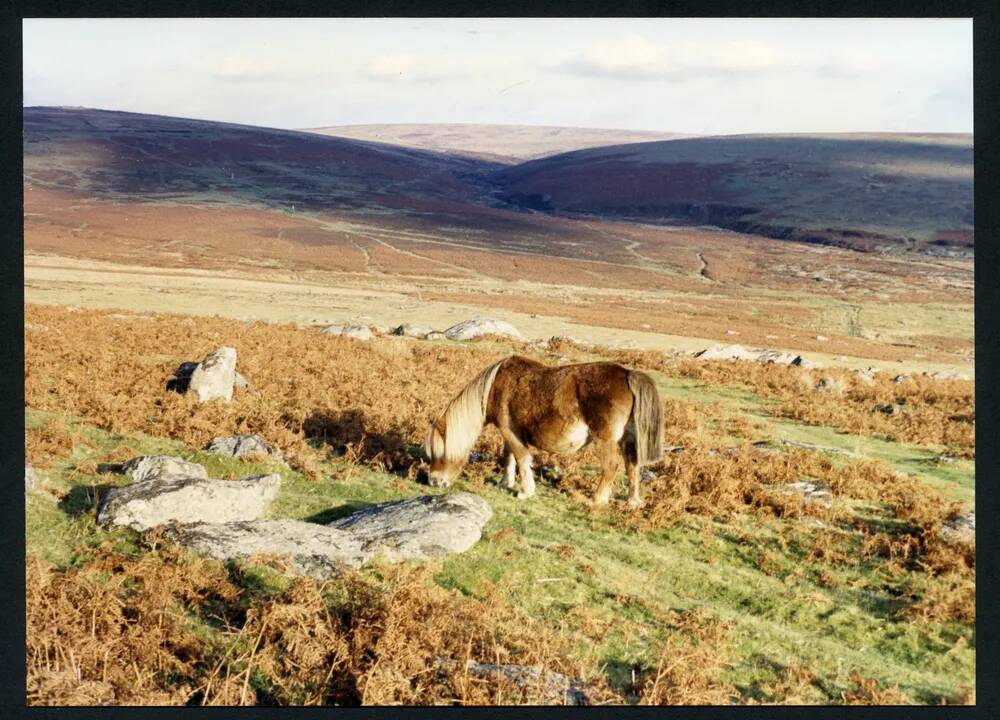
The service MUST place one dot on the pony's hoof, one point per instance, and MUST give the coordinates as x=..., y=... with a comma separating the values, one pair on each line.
x=600, y=501
x=634, y=503
x=524, y=496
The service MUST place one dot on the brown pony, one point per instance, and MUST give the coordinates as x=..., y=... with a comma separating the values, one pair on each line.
x=555, y=409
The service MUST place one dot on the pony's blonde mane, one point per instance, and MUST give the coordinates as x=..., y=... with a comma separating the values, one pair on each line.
x=463, y=419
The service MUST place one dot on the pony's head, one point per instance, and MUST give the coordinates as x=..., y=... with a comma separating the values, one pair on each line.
x=443, y=469
x=452, y=435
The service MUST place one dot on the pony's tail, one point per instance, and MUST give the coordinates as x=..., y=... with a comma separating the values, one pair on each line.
x=647, y=417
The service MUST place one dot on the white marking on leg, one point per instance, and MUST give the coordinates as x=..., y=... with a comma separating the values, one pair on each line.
x=510, y=475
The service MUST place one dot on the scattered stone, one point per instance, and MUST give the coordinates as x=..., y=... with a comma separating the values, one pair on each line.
x=30, y=478
x=435, y=336
x=961, y=528
x=36, y=327
x=830, y=385
x=408, y=330
x=645, y=326
x=419, y=529
x=469, y=329
x=152, y=468
x=215, y=375
x=380, y=329
x=887, y=408
x=358, y=332
x=148, y=504
x=731, y=332
x=822, y=338
x=949, y=375
x=812, y=491
x=240, y=382
x=900, y=378
x=804, y=363
x=243, y=446
x=556, y=688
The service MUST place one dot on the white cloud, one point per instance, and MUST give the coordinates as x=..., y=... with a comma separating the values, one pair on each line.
x=240, y=67
x=635, y=57
x=410, y=67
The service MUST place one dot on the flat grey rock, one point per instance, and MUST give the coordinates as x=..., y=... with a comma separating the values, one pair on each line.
x=469, y=329
x=243, y=446
x=215, y=375
x=309, y=548
x=148, y=504
x=419, y=529
x=148, y=468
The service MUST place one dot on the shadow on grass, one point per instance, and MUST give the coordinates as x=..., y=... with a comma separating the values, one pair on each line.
x=83, y=499
x=350, y=434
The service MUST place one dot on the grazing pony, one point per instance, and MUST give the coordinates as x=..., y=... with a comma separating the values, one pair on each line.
x=555, y=409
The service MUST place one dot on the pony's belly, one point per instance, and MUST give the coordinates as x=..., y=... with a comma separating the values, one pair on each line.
x=572, y=439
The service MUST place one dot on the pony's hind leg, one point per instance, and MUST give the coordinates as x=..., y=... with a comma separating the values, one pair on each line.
x=627, y=446
x=522, y=457
x=608, y=454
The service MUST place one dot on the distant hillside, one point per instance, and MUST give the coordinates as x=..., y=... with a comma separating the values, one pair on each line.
x=864, y=191
x=148, y=157
x=509, y=144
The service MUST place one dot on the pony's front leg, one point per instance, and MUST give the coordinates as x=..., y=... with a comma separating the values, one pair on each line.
x=522, y=457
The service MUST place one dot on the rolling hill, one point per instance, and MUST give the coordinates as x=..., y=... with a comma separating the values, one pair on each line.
x=153, y=158
x=507, y=144
x=862, y=191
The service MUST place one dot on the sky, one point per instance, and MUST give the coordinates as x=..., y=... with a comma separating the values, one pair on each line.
x=700, y=76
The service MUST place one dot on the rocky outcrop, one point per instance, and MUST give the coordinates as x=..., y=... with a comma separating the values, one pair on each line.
x=154, y=502
x=469, y=329
x=419, y=529
x=358, y=332
x=243, y=446
x=738, y=352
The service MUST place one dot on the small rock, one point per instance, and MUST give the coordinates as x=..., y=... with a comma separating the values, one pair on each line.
x=145, y=505
x=813, y=491
x=481, y=326
x=408, y=330
x=358, y=332
x=822, y=338
x=808, y=364
x=556, y=688
x=887, y=408
x=380, y=329
x=961, y=528
x=900, y=378
x=240, y=382
x=645, y=326
x=731, y=332
x=243, y=446
x=215, y=375
x=36, y=327
x=435, y=336
x=147, y=468
x=726, y=352
x=30, y=478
